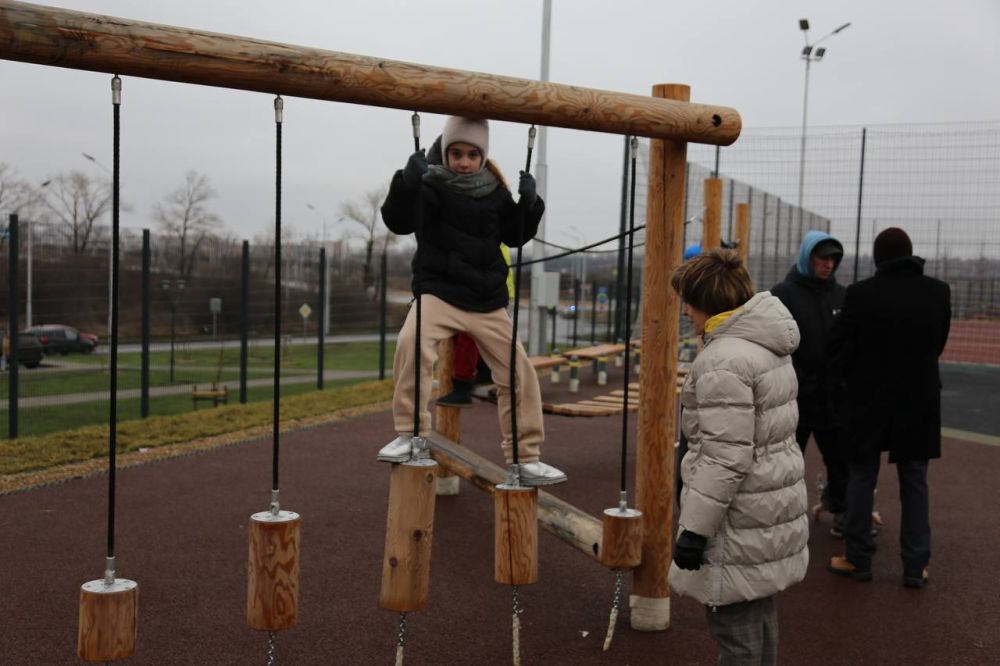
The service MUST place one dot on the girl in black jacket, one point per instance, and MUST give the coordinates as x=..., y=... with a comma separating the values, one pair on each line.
x=461, y=210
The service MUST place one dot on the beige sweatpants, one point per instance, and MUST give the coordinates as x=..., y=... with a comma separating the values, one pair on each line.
x=491, y=331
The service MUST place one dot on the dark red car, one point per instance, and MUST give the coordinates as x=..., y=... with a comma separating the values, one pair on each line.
x=60, y=339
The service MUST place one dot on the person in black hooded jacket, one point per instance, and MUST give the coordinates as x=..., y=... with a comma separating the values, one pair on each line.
x=811, y=293
x=461, y=211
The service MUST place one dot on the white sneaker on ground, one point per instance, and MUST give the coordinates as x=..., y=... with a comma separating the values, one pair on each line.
x=396, y=451
x=539, y=474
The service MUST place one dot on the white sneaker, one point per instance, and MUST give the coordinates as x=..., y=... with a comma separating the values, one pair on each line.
x=396, y=451
x=539, y=474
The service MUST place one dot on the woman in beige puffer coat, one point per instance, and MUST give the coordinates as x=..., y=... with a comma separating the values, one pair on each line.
x=744, y=501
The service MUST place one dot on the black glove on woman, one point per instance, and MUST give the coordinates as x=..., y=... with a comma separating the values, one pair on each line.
x=690, y=550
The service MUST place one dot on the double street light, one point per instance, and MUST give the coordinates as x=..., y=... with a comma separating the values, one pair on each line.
x=810, y=53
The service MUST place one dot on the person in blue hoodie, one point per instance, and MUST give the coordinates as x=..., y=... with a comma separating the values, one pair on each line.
x=811, y=293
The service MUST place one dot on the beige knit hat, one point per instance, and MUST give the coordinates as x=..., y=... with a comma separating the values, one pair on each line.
x=472, y=131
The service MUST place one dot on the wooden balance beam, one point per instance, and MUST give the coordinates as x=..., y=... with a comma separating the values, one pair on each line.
x=577, y=528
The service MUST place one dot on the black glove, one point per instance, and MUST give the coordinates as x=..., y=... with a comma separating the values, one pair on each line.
x=526, y=188
x=415, y=168
x=690, y=550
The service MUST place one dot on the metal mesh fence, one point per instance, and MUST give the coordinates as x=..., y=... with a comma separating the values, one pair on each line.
x=194, y=321
x=941, y=183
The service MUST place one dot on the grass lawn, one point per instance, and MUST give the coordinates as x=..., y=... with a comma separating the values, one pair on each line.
x=55, y=418
x=175, y=423
x=196, y=366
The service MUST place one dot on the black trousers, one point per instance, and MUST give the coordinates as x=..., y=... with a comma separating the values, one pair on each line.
x=915, y=527
x=830, y=442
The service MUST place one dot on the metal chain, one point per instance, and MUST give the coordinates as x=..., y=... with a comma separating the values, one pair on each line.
x=272, y=652
x=516, y=626
x=615, y=606
x=401, y=635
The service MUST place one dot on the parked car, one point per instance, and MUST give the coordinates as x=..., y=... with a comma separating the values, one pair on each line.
x=29, y=349
x=60, y=339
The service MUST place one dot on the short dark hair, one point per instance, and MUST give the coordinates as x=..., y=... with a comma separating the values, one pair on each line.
x=714, y=282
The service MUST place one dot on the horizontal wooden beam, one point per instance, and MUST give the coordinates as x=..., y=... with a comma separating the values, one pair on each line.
x=79, y=40
x=577, y=528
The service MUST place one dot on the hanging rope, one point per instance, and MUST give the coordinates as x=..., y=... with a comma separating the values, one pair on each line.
x=623, y=487
x=116, y=101
x=628, y=323
x=279, y=106
x=586, y=251
x=419, y=214
x=517, y=302
x=587, y=247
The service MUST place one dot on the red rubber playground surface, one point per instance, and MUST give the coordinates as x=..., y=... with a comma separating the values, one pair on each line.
x=182, y=536
x=971, y=341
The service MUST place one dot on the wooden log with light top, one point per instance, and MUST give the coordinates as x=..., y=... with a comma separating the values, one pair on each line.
x=409, y=532
x=108, y=619
x=515, y=535
x=273, y=580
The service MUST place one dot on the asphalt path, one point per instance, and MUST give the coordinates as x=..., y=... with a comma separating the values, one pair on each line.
x=182, y=537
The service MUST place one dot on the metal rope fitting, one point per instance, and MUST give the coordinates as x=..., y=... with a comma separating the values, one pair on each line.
x=116, y=90
x=275, y=504
x=279, y=107
x=415, y=121
x=109, y=571
x=513, y=476
x=531, y=137
x=419, y=449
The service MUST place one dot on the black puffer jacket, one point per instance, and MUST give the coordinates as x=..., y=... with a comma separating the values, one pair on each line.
x=814, y=304
x=459, y=258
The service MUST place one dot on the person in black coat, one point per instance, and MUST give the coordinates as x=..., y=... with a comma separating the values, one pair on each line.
x=461, y=211
x=811, y=293
x=886, y=345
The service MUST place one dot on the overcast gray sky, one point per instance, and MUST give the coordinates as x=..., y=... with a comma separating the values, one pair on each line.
x=899, y=62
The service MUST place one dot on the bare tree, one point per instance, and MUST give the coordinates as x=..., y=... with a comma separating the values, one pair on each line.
x=77, y=202
x=365, y=212
x=184, y=217
x=15, y=193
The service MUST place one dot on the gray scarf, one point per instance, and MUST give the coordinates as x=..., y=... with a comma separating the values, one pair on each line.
x=476, y=185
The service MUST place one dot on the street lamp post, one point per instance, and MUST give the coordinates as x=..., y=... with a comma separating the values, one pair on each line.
x=178, y=286
x=810, y=54
x=326, y=306
x=111, y=250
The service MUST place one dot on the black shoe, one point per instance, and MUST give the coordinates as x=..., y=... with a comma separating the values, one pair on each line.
x=460, y=396
x=916, y=579
x=837, y=529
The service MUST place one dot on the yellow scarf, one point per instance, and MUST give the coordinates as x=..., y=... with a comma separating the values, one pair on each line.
x=715, y=322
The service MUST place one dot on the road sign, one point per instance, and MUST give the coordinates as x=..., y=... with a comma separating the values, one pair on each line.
x=305, y=311
x=215, y=305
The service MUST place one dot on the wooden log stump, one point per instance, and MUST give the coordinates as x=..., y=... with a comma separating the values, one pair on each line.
x=515, y=535
x=273, y=575
x=108, y=613
x=621, y=547
x=409, y=531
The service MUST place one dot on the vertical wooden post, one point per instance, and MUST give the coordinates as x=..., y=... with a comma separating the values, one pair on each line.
x=447, y=419
x=711, y=234
x=657, y=410
x=743, y=231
